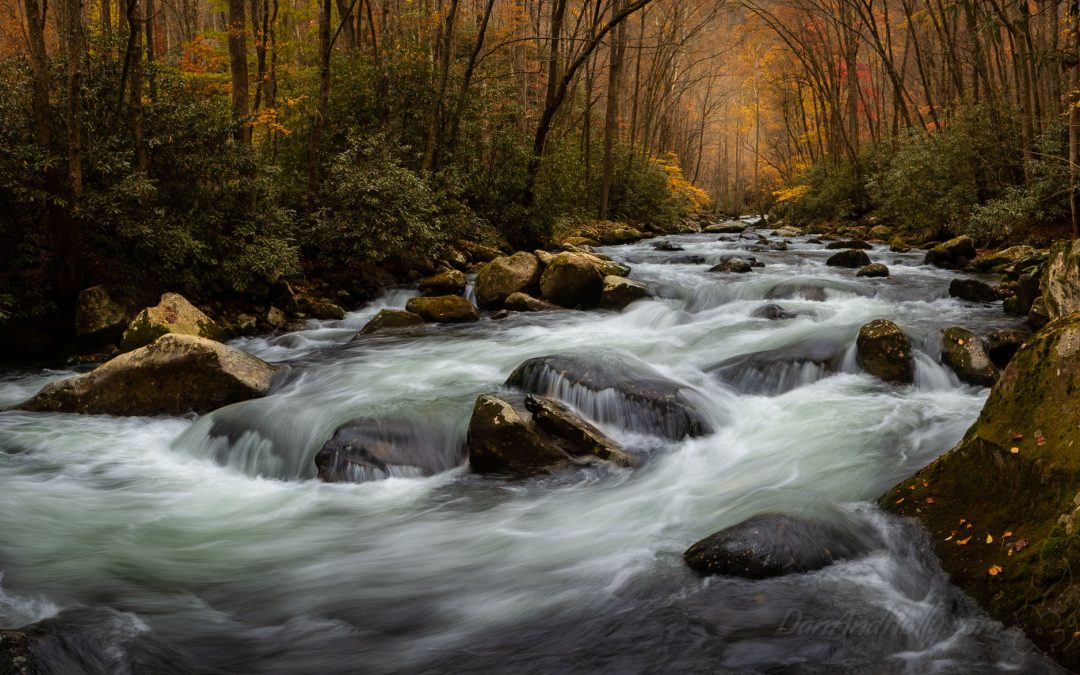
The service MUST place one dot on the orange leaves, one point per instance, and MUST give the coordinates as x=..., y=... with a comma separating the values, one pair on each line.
x=994, y=570
x=964, y=541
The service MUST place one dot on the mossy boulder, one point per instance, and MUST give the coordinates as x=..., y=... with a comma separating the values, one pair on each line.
x=608, y=267
x=1002, y=345
x=446, y=282
x=174, y=375
x=884, y=351
x=506, y=275
x=1061, y=280
x=522, y=302
x=443, y=309
x=322, y=309
x=996, y=260
x=729, y=227
x=992, y=504
x=952, y=254
x=572, y=280
x=388, y=319
x=856, y=244
x=853, y=258
x=102, y=313
x=873, y=270
x=173, y=314
x=733, y=265
x=972, y=290
x=966, y=354
x=620, y=292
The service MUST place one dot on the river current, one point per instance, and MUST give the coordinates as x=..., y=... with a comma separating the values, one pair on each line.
x=208, y=545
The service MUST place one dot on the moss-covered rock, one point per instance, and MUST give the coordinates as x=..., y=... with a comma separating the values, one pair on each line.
x=522, y=302
x=503, y=439
x=952, y=254
x=1002, y=345
x=873, y=270
x=174, y=375
x=620, y=292
x=853, y=258
x=388, y=319
x=506, y=275
x=443, y=309
x=965, y=353
x=992, y=504
x=446, y=282
x=972, y=290
x=1061, y=280
x=173, y=314
x=572, y=280
x=855, y=244
x=733, y=265
x=99, y=313
x=322, y=309
x=996, y=260
x=884, y=351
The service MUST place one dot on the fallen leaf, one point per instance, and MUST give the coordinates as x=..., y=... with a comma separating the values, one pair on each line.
x=970, y=525
x=925, y=484
x=901, y=500
x=964, y=541
x=911, y=487
x=929, y=500
x=1015, y=451
x=1020, y=545
x=960, y=342
x=994, y=570
x=1008, y=533
x=1018, y=437
x=989, y=539
x=1010, y=551
x=1041, y=440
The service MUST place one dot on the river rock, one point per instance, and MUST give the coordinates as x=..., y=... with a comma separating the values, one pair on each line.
x=884, y=351
x=173, y=314
x=965, y=353
x=665, y=245
x=174, y=375
x=873, y=270
x=1061, y=280
x=1038, y=316
x=1020, y=295
x=776, y=371
x=614, y=391
x=730, y=227
x=972, y=290
x=856, y=244
x=443, y=309
x=772, y=545
x=100, y=314
x=733, y=266
x=506, y=275
x=572, y=280
x=390, y=318
x=543, y=256
x=477, y=252
x=997, y=260
x=447, y=282
x=772, y=312
x=788, y=231
x=953, y=254
x=850, y=258
x=620, y=292
x=580, y=437
x=322, y=309
x=1016, y=471
x=608, y=267
x=796, y=289
x=1002, y=345
x=522, y=302
x=366, y=450
x=898, y=245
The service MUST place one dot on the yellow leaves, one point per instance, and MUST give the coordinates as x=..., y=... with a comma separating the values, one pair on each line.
x=994, y=570
x=699, y=199
x=791, y=195
x=989, y=538
x=901, y=500
x=1014, y=450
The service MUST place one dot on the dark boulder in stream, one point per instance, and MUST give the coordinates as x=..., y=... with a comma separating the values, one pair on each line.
x=873, y=270
x=773, y=545
x=616, y=392
x=848, y=244
x=366, y=450
x=966, y=354
x=388, y=319
x=776, y=371
x=853, y=258
x=952, y=254
x=804, y=290
x=884, y=351
x=972, y=290
x=772, y=312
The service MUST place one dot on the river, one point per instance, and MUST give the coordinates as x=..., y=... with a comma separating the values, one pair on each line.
x=208, y=545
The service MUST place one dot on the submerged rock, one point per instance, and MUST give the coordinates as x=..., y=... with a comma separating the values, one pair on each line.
x=1014, y=477
x=572, y=280
x=173, y=314
x=1061, y=280
x=506, y=275
x=174, y=375
x=612, y=391
x=972, y=290
x=873, y=270
x=884, y=351
x=772, y=312
x=733, y=265
x=366, y=450
x=773, y=545
x=850, y=258
x=665, y=245
x=390, y=318
x=965, y=353
x=952, y=254
x=796, y=289
x=776, y=371
x=620, y=292
x=443, y=309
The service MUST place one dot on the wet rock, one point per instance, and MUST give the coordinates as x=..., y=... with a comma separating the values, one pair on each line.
x=478, y=253
x=997, y=260
x=772, y=545
x=854, y=244
x=614, y=391
x=788, y=231
x=873, y=270
x=777, y=371
x=1003, y=344
x=276, y=318
x=953, y=254
x=608, y=267
x=665, y=245
x=796, y=289
x=322, y=309
x=776, y=246
x=1020, y=295
x=882, y=232
x=733, y=266
x=443, y=309
x=506, y=275
x=579, y=438
x=1038, y=316
x=174, y=375
x=456, y=259
x=572, y=280
x=521, y=302
x=884, y=351
x=1061, y=280
x=898, y=245
x=852, y=258
x=751, y=234
x=725, y=228
x=965, y=353
x=972, y=290
x=500, y=315
x=367, y=450
x=772, y=312
x=686, y=260
x=173, y=314
x=620, y=292
x=1016, y=470
x=100, y=314
x=447, y=282
x=389, y=319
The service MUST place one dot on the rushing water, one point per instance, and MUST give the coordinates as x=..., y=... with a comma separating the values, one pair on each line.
x=179, y=545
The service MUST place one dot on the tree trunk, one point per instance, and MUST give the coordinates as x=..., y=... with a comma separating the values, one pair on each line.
x=67, y=239
x=238, y=69
x=315, y=137
x=611, y=118
x=1074, y=129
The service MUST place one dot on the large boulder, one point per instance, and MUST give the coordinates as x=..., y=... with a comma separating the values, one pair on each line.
x=366, y=450
x=174, y=375
x=614, y=391
x=506, y=275
x=848, y=244
x=523, y=302
x=666, y=245
x=1061, y=280
x=729, y=227
x=443, y=309
x=572, y=280
x=795, y=289
x=952, y=254
x=884, y=351
x=972, y=290
x=775, y=371
x=772, y=545
x=322, y=309
x=1021, y=294
x=853, y=258
x=173, y=314
x=873, y=270
x=733, y=265
x=446, y=282
x=997, y=260
x=620, y=292
x=965, y=353
x=99, y=313
x=1001, y=507
x=507, y=437
x=390, y=318
x=608, y=267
